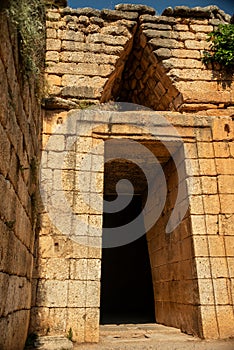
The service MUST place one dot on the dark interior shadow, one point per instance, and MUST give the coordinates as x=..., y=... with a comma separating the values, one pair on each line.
x=126, y=282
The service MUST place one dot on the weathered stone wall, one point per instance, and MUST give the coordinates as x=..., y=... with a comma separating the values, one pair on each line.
x=20, y=128
x=84, y=49
x=129, y=54
x=212, y=213
x=172, y=260
x=192, y=267
x=178, y=39
x=67, y=267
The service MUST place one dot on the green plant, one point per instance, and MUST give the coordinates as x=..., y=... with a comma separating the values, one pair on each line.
x=221, y=46
x=28, y=18
x=70, y=334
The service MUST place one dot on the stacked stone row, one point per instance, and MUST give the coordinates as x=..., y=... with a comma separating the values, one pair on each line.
x=89, y=58
x=178, y=39
x=84, y=49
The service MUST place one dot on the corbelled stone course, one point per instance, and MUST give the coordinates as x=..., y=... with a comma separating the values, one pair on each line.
x=80, y=41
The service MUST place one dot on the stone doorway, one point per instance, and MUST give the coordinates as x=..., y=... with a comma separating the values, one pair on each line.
x=171, y=252
x=126, y=282
x=154, y=248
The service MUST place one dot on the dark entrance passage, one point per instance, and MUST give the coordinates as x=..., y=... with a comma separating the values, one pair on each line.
x=126, y=282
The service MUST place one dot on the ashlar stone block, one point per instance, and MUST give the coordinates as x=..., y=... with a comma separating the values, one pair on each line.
x=52, y=293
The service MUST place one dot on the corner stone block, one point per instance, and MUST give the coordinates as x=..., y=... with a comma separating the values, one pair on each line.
x=97, y=182
x=95, y=221
x=209, y=322
x=206, y=291
x=200, y=246
x=93, y=294
x=196, y=205
x=52, y=293
x=52, y=56
x=203, y=268
x=51, y=33
x=92, y=325
x=76, y=322
x=225, y=321
x=53, y=16
x=57, y=320
x=39, y=320
x=94, y=269
x=53, y=80
x=53, y=44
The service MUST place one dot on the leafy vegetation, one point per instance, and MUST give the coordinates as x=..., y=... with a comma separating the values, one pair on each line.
x=28, y=17
x=221, y=46
x=70, y=334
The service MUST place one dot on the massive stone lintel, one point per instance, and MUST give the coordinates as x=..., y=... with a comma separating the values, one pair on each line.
x=197, y=12
x=142, y=9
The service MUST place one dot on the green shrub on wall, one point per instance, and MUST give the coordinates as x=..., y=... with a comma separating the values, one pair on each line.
x=222, y=46
x=28, y=16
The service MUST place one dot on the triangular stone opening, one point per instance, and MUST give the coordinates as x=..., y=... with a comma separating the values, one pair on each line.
x=142, y=79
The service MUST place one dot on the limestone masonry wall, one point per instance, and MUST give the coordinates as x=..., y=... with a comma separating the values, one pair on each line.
x=49, y=283
x=20, y=128
x=192, y=268
x=131, y=54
